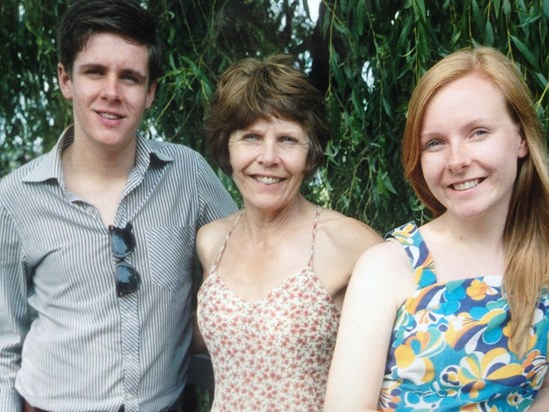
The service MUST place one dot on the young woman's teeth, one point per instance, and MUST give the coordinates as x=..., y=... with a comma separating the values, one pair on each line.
x=466, y=185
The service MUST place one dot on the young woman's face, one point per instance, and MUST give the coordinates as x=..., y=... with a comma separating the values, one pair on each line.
x=470, y=148
x=268, y=160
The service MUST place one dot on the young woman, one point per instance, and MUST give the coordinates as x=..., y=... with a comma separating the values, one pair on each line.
x=453, y=315
x=276, y=272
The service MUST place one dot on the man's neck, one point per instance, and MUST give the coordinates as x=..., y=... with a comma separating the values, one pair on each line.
x=98, y=176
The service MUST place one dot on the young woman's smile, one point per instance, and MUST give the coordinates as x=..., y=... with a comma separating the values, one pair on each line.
x=470, y=147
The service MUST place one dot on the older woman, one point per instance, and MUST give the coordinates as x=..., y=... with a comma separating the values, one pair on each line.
x=276, y=271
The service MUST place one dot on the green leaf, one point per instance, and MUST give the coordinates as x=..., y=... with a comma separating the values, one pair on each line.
x=496, y=5
x=525, y=51
x=455, y=38
x=477, y=14
x=360, y=21
x=541, y=79
x=506, y=7
x=488, y=34
x=419, y=10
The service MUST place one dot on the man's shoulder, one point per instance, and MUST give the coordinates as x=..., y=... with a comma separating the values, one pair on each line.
x=175, y=150
x=14, y=180
x=182, y=159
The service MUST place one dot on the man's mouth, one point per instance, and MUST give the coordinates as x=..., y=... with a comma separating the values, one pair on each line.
x=110, y=116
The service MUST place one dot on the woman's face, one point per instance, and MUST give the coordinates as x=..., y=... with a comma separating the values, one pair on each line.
x=268, y=159
x=470, y=148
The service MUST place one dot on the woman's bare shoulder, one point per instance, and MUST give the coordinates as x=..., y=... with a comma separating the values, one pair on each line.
x=218, y=225
x=210, y=237
x=386, y=266
x=347, y=232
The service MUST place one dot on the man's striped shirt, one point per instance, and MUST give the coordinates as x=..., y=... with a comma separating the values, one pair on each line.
x=67, y=341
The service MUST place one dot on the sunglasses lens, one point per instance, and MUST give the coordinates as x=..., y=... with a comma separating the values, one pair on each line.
x=127, y=279
x=123, y=242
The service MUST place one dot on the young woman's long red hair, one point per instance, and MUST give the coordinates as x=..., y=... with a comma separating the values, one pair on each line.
x=526, y=234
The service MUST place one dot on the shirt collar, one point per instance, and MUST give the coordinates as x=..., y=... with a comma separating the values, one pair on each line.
x=51, y=167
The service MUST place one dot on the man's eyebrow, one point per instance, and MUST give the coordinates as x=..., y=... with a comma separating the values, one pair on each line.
x=132, y=72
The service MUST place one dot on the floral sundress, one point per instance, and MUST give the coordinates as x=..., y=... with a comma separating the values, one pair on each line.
x=272, y=354
x=450, y=347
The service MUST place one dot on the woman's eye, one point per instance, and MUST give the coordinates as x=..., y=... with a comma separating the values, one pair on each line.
x=129, y=78
x=479, y=132
x=250, y=138
x=432, y=144
x=288, y=139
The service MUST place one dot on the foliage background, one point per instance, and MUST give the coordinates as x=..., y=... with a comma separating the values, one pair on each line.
x=366, y=55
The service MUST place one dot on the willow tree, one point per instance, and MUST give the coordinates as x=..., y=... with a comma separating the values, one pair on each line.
x=365, y=55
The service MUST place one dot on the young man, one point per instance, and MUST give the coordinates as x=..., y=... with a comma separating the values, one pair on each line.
x=97, y=236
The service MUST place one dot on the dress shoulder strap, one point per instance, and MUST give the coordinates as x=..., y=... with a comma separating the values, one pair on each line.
x=410, y=238
x=315, y=224
x=227, y=236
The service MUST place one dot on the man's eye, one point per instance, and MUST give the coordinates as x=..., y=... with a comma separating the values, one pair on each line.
x=93, y=72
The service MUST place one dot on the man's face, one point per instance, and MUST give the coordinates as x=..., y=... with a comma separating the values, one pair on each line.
x=109, y=88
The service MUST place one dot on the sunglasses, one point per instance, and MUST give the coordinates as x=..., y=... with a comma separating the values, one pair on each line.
x=123, y=245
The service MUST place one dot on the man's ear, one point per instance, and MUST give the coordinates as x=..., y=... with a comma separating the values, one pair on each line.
x=65, y=81
x=150, y=94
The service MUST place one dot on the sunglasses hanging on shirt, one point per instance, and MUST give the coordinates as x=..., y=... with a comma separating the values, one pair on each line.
x=123, y=245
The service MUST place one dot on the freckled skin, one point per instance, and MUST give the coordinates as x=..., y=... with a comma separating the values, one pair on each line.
x=470, y=148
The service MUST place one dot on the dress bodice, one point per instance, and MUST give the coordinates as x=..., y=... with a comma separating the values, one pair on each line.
x=450, y=348
x=272, y=354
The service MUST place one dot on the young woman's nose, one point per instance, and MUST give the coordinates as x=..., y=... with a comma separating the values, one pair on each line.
x=458, y=157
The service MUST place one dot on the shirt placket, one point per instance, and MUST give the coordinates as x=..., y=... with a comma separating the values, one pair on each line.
x=129, y=319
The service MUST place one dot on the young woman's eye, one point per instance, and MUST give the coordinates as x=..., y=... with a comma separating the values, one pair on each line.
x=480, y=132
x=432, y=144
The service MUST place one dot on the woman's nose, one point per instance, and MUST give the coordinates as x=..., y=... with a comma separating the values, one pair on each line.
x=458, y=158
x=268, y=153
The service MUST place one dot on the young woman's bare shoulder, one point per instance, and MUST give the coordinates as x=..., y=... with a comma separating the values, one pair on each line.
x=386, y=266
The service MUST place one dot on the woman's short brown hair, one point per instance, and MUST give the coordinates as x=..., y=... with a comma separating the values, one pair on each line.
x=252, y=89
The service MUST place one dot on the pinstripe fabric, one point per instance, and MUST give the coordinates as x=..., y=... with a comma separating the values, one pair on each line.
x=67, y=342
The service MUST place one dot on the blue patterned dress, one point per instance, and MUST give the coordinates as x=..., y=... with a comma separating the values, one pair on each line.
x=450, y=349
